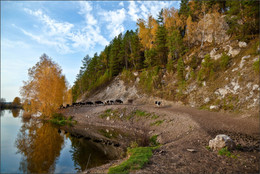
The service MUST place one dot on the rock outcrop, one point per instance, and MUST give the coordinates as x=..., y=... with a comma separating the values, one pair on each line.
x=221, y=141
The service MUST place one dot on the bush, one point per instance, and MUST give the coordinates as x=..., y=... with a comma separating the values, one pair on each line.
x=256, y=66
x=153, y=141
x=149, y=79
x=127, y=76
x=224, y=61
x=206, y=70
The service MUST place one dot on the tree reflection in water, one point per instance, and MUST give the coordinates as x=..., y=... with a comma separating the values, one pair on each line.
x=81, y=150
x=15, y=112
x=2, y=112
x=40, y=144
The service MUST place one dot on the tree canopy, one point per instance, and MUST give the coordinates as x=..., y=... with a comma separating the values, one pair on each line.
x=46, y=88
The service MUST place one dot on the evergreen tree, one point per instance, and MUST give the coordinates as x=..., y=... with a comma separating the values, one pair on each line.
x=161, y=41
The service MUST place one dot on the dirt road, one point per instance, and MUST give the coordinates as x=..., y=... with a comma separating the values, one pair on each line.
x=180, y=128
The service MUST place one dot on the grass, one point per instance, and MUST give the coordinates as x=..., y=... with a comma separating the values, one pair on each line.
x=59, y=119
x=139, y=156
x=110, y=113
x=157, y=123
x=224, y=151
x=153, y=140
x=110, y=134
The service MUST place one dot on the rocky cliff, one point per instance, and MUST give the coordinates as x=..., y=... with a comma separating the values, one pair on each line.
x=230, y=86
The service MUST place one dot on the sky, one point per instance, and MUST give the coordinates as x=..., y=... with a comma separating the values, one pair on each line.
x=65, y=30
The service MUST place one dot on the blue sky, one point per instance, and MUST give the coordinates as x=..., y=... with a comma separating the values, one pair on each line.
x=64, y=30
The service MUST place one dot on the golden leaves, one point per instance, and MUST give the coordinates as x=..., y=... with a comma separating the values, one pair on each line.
x=46, y=87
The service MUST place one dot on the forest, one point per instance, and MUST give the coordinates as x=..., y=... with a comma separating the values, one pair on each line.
x=162, y=42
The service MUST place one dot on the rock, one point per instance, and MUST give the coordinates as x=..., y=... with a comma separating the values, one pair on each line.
x=249, y=85
x=206, y=100
x=213, y=54
x=235, y=69
x=243, y=61
x=135, y=73
x=222, y=141
x=191, y=150
x=242, y=44
x=233, y=52
x=213, y=107
x=255, y=87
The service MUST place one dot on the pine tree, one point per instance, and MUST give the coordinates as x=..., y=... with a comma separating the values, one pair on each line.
x=161, y=41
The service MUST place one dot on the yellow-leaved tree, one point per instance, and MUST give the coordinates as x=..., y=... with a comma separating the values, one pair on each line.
x=46, y=88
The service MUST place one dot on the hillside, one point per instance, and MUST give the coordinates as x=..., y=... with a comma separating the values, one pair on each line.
x=227, y=83
x=206, y=58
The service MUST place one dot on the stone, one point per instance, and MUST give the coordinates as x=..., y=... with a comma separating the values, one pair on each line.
x=135, y=73
x=242, y=44
x=191, y=150
x=222, y=141
x=255, y=87
x=243, y=61
x=233, y=52
x=213, y=54
x=206, y=100
x=235, y=69
x=213, y=107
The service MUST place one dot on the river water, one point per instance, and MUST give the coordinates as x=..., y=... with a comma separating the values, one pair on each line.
x=32, y=146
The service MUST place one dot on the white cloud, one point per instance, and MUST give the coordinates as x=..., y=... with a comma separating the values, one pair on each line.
x=133, y=10
x=85, y=9
x=64, y=36
x=54, y=27
x=141, y=9
x=115, y=21
x=121, y=4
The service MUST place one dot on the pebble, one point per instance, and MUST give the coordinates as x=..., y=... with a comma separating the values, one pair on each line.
x=191, y=150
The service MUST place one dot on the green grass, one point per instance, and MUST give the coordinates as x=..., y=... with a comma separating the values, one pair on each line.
x=153, y=140
x=157, y=123
x=139, y=156
x=224, y=151
x=59, y=119
x=256, y=66
x=110, y=134
x=110, y=113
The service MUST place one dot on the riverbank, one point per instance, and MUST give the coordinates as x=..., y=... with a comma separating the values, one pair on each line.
x=179, y=129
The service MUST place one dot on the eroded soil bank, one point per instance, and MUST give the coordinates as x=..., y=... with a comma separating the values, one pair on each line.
x=178, y=128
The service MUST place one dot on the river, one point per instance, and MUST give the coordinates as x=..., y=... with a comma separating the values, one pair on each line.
x=33, y=146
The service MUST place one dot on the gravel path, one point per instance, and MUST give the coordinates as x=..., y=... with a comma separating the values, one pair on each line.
x=184, y=128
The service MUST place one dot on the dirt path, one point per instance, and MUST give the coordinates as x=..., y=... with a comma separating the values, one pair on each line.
x=184, y=128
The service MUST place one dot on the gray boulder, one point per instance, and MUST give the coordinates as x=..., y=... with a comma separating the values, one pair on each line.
x=222, y=141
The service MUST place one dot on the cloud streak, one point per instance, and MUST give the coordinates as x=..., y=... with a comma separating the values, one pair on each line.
x=64, y=36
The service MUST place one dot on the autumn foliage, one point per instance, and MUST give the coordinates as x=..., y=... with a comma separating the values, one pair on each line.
x=46, y=88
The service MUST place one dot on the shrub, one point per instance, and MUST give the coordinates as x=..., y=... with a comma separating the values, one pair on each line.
x=224, y=61
x=256, y=66
x=127, y=76
x=206, y=70
x=153, y=141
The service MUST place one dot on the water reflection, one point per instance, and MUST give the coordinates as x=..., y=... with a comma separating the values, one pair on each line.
x=2, y=112
x=15, y=112
x=40, y=144
x=84, y=151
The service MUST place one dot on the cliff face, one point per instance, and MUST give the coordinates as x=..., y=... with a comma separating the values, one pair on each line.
x=230, y=86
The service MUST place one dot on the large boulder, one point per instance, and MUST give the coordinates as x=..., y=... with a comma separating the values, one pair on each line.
x=222, y=141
